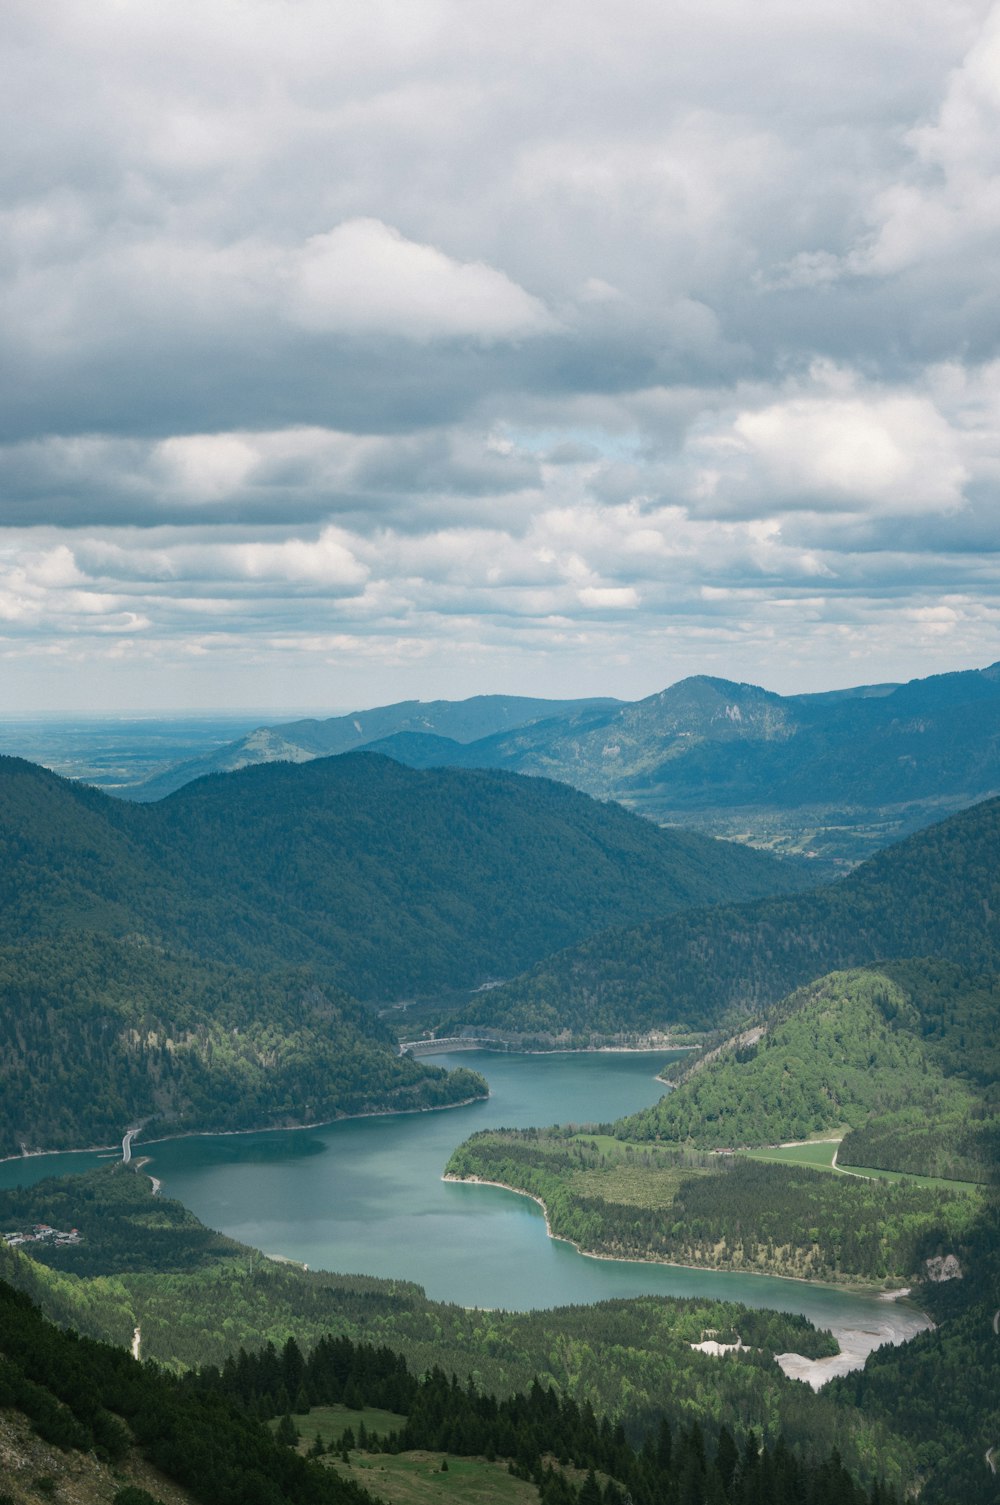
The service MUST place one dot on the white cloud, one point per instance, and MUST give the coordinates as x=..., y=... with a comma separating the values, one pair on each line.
x=365, y=277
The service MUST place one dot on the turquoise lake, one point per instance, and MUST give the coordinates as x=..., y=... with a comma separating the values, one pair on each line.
x=366, y=1196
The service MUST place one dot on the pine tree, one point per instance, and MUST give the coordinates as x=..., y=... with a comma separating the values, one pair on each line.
x=285, y=1431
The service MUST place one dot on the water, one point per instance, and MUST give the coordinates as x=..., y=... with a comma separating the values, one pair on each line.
x=366, y=1196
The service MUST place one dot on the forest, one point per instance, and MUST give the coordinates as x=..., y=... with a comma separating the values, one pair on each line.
x=204, y=1431
x=874, y=1052
x=744, y=1215
x=99, y=1034
x=394, y=881
x=936, y=894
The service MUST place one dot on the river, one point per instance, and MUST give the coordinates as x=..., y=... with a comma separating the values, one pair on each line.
x=366, y=1196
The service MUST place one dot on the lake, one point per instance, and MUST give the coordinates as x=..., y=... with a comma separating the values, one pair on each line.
x=366, y=1196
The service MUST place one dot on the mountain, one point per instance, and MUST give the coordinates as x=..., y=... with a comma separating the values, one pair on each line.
x=459, y=721
x=890, y=1057
x=935, y=894
x=393, y=881
x=836, y=775
x=97, y=1034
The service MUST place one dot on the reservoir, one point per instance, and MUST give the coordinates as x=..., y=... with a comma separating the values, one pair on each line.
x=365, y=1196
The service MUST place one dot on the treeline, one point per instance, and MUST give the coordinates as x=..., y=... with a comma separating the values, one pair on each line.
x=958, y=1146
x=749, y=1215
x=540, y=1432
x=91, y=1396
x=97, y=1034
x=935, y=894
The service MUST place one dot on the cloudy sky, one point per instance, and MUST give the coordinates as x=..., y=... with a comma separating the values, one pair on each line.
x=359, y=350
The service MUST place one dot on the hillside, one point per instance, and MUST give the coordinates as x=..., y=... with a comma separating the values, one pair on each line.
x=206, y=1433
x=300, y=741
x=860, y=1051
x=89, y=1401
x=837, y=774
x=392, y=881
x=935, y=894
x=98, y=1034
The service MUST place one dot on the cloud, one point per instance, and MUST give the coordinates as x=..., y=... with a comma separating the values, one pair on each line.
x=365, y=277
x=573, y=354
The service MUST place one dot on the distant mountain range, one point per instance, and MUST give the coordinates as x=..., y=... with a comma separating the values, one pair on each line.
x=454, y=721
x=835, y=775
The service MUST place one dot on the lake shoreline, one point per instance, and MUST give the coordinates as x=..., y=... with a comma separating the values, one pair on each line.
x=325, y=1123
x=853, y=1287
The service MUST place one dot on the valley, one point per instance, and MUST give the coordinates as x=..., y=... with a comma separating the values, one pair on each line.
x=226, y=973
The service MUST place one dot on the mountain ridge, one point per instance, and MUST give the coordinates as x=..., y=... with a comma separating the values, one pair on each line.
x=832, y=774
x=935, y=893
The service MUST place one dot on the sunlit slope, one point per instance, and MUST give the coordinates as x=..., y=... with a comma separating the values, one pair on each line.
x=884, y=1053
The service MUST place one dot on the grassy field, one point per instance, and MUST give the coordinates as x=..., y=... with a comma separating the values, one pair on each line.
x=818, y=1155
x=634, y=1175
x=417, y=1479
x=331, y=1422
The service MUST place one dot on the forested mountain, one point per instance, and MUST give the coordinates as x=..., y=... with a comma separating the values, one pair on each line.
x=391, y=880
x=935, y=894
x=912, y=1048
x=837, y=775
x=454, y=721
x=97, y=1034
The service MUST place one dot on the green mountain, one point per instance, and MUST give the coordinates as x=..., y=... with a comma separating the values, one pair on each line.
x=300, y=741
x=935, y=894
x=391, y=881
x=865, y=1051
x=189, y=962
x=836, y=775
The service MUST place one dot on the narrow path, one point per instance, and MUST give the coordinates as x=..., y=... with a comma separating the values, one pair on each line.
x=990, y=1451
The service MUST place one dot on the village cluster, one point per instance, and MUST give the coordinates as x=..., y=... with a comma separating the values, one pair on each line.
x=42, y=1233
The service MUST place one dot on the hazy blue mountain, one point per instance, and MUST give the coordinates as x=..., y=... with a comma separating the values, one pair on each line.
x=299, y=741
x=836, y=774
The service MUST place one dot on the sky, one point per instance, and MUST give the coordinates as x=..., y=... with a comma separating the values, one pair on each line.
x=388, y=348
